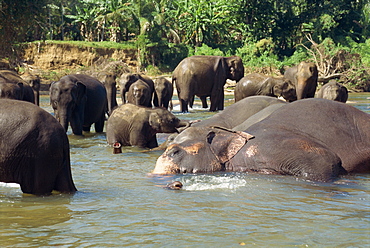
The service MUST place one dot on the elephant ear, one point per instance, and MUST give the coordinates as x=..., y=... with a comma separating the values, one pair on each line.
x=279, y=87
x=21, y=90
x=80, y=92
x=225, y=143
x=155, y=121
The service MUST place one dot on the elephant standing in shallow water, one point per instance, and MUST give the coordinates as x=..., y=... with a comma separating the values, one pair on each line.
x=330, y=139
x=12, y=86
x=163, y=92
x=205, y=76
x=304, y=77
x=34, y=149
x=80, y=100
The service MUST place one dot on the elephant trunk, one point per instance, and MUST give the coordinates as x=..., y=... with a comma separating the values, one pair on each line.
x=182, y=126
x=300, y=90
x=63, y=118
x=112, y=99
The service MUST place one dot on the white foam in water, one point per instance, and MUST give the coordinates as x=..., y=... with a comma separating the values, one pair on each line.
x=10, y=185
x=211, y=182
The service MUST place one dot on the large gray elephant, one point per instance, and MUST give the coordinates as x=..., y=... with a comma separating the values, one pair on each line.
x=234, y=115
x=80, y=100
x=126, y=79
x=259, y=84
x=163, y=92
x=108, y=79
x=34, y=82
x=140, y=94
x=205, y=76
x=132, y=125
x=34, y=149
x=333, y=91
x=286, y=142
x=304, y=77
x=12, y=86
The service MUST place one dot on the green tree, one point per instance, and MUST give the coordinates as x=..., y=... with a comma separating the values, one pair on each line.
x=17, y=17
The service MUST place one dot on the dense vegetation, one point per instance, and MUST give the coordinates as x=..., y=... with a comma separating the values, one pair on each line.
x=267, y=34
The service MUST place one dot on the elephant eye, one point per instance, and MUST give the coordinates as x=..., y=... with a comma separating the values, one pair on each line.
x=173, y=152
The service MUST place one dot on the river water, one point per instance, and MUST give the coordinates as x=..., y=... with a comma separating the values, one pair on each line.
x=119, y=204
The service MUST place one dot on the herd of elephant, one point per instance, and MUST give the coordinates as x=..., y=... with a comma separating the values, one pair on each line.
x=314, y=139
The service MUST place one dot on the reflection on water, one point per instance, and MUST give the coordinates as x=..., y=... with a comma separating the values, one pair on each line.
x=120, y=204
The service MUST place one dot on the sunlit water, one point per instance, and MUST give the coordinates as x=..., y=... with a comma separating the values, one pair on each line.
x=120, y=204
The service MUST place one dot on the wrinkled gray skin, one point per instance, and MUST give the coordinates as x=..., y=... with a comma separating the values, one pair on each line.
x=304, y=77
x=36, y=156
x=259, y=116
x=232, y=116
x=132, y=125
x=108, y=79
x=286, y=142
x=259, y=84
x=127, y=79
x=163, y=92
x=12, y=86
x=140, y=94
x=35, y=82
x=333, y=91
x=205, y=76
x=80, y=100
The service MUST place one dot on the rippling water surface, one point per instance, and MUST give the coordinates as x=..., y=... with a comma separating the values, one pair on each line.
x=120, y=204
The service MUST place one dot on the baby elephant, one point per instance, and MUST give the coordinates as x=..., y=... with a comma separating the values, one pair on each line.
x=259, y=84
x=333, y=91
x=132, y=125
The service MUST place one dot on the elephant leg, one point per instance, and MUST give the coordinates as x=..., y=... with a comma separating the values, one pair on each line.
x=99, y=125
x=184, y=106
x=86, y=128
x=204, y=101
x=217, y=101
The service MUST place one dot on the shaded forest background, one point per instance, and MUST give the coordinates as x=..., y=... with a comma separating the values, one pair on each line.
x=268, y=35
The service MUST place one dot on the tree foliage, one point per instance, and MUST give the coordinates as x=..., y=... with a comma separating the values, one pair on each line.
x=265, y=29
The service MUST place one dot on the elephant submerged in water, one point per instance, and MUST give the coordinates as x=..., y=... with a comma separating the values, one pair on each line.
x=330, y=139
x=34, y=149
x=333, y=91
x=235, y=114
x=259, y=84
x=205, y=76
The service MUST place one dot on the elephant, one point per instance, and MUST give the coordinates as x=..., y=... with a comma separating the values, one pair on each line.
x=259, y=116
x=234, y=115
x=34, y=149
x=330, y=139
x=238, y=112
x=108, y=79
x=259, y=84
x=333, y=91
x=140, y=94
x=205, y=76
x=80, y=100
x=163, y=92
x=304, y=77
x=12, y=86
x=126, y=79
x=35, y=82
x=132, y=125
